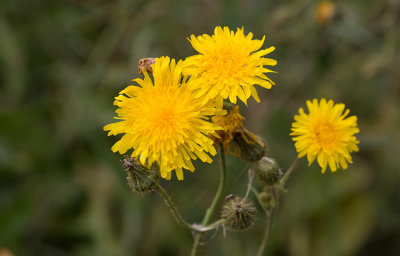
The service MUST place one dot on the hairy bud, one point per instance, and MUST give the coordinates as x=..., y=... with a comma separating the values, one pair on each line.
x=140, y=178
x=269, y=197
x=239, y=213
x=268, y=171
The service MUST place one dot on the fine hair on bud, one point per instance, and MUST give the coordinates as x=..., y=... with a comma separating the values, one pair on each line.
x=269, y=197
x=239, y=213
x=139, y=177
x=268, y=171
x=250, y=147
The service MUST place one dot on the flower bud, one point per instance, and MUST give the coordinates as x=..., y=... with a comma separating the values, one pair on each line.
x=268, y=171
x=269, y=197
x=250, y=146
x=238, y=213
x=139, y=177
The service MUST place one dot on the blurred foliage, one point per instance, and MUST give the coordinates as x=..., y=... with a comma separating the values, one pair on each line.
x=62, y=190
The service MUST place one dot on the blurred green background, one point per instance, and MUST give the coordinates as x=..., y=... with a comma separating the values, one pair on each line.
x=62, y=190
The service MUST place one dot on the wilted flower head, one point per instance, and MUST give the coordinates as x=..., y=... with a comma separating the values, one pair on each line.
x=163, y=122
x=326, y=133
x=230, y=123
x=228, y=65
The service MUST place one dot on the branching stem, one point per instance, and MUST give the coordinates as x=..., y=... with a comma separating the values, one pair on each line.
x=174, y=210
x=181, y=221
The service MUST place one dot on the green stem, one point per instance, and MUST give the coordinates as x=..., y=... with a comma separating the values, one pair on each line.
x=288, y=172
x=266, y=233
x=181, y=221
x=173, y=208
x=210, y=211
x=270, y=213
x=221, y=187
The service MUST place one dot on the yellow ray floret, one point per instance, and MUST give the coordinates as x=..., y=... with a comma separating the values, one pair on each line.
x=228, y=65
x=163, y=122
x=325, y=134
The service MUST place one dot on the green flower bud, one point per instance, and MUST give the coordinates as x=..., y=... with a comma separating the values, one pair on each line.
x=139, y=177
x=269, y=197
x=268, y=171
x=238, y=213
x=250, y=146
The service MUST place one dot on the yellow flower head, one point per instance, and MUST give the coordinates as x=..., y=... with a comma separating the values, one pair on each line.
x=163, y=122
x=228, y=65
x=326, y=133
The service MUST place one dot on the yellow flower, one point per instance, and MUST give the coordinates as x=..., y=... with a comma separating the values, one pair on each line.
x=163, y=122
x=326, y=133
x=228, y=65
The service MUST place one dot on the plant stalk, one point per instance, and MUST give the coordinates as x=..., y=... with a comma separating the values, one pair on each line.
x=210, y=211
x=288, y=172
x=270, y=214
x=174, y=210
x=261, y=249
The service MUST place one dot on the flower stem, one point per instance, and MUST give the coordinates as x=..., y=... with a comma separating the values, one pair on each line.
x=266, y=233
x=288, y=172
x=250, y=182
x=221, y=187
x=210, y=211
x=174, y=210
x=214, y=225
x=270, y=213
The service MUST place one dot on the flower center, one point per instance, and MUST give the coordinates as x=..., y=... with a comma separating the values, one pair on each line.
x=325, y=134
x=227, y=64
x=165, y=119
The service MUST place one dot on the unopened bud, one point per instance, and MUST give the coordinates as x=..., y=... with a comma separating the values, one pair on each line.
x=251, y=147
x=269, y=197
x=239, y=213
x=268, y=171
x=145, y=63
x=139, y=177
